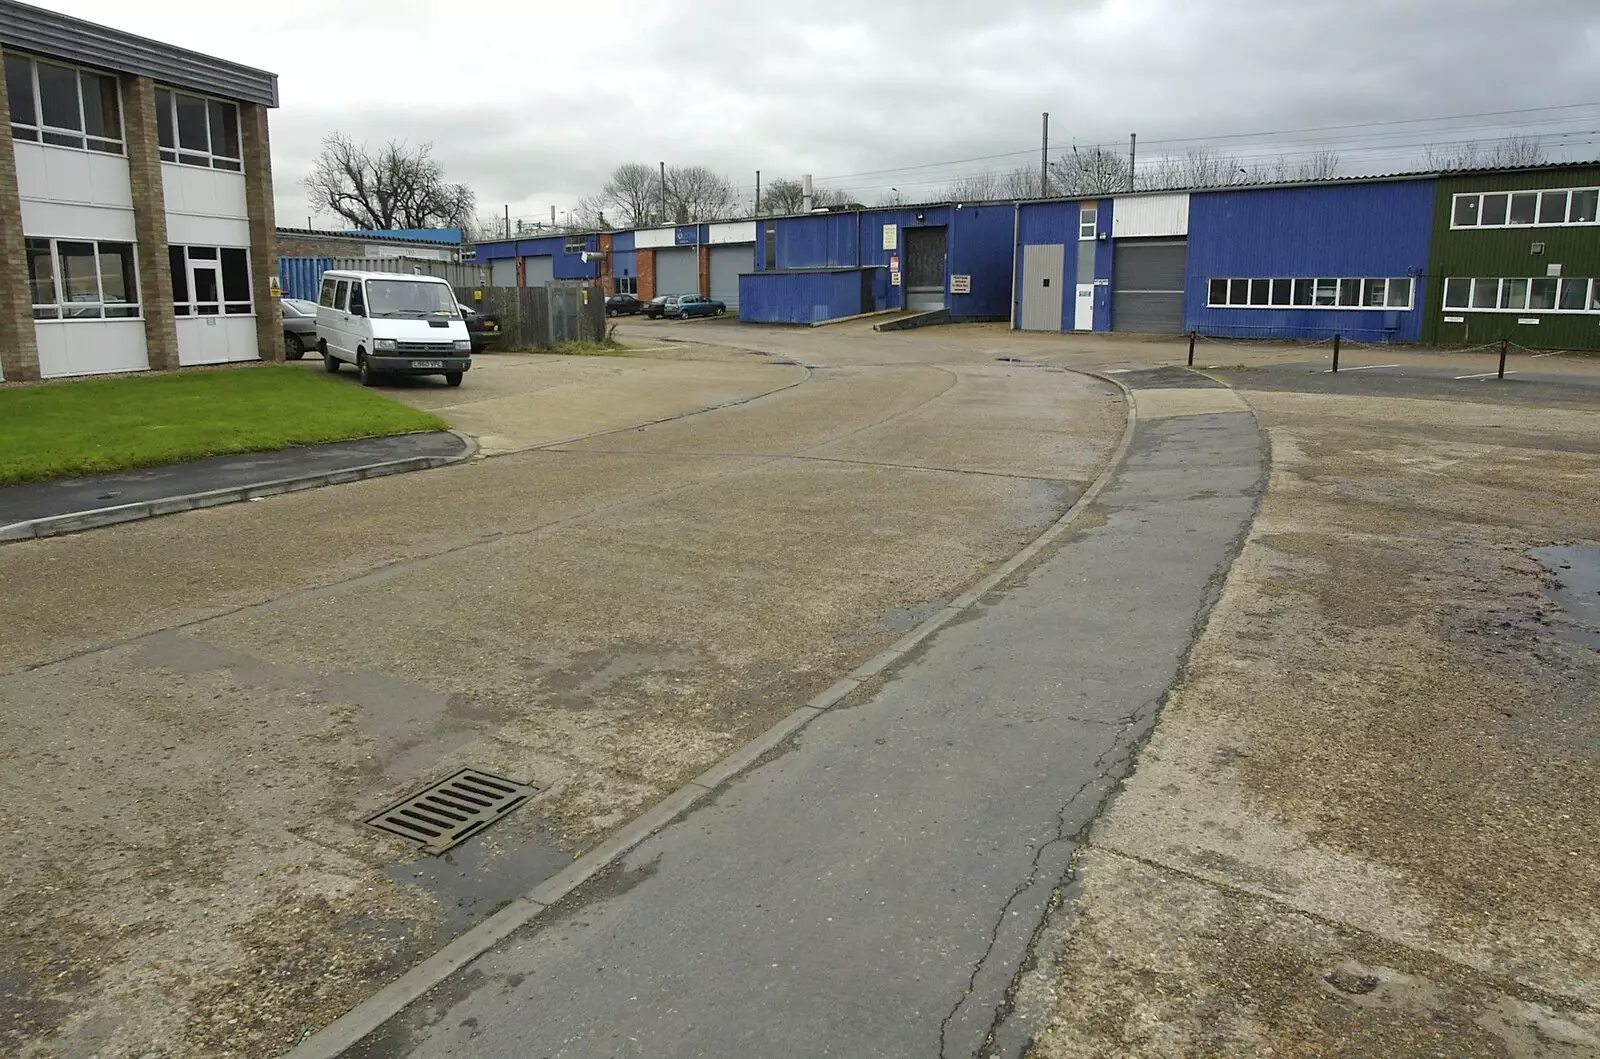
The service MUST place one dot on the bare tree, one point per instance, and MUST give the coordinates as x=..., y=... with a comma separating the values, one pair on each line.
x=783, y=196
x=1090, y=171
x=696, y=193
x=1516, y=151
x=979, y=186
x=1510, y=152
x=1022, y=183
x=396, y=186
x=589, y=215
x=634, y=194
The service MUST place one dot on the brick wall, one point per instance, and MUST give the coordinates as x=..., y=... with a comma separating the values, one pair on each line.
x=263, y=228
x=704, y=262
x=606, y=282
x=645, y=267
x=149, y=221
x=19, y=351
x=322, y=244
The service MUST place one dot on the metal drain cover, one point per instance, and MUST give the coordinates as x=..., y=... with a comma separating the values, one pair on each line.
x=452, y=810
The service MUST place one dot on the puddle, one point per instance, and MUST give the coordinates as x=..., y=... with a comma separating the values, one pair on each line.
x=1576, y=569
x=479, y=876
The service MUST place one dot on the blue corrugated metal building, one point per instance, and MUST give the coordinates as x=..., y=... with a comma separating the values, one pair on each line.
x=300, y=277
x=1307, y=262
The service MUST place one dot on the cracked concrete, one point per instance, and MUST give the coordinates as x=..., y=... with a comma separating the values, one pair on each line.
x=874, y=888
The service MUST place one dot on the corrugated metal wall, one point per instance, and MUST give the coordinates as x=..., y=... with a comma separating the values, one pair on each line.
x=1047, y=224
x=1340, y=231
x=300, y=277
x=802, y=297
x=728, y=263
x=677, y=271
x=1138, y=216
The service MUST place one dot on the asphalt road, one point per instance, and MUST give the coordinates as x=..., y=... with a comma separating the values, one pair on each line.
x=872, y=890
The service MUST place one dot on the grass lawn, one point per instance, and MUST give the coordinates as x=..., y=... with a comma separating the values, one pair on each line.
x=68, y=428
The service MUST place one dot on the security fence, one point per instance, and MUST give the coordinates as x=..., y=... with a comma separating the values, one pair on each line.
x=544, y=317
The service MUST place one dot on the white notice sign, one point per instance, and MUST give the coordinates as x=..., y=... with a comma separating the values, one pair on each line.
x=891, y=237
x=960, y=284
x=1552, y=270
x=894, y=279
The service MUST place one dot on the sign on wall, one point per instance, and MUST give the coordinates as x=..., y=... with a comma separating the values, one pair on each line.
x=894, y=278
x=894, y=262
x=960, y=284
x=891, y=237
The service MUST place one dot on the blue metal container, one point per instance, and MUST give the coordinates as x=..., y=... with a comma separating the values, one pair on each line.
x=300, y=277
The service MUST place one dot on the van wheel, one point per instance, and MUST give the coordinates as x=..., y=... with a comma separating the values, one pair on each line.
x=452, y=378
x=367, y=375
x=330, y=363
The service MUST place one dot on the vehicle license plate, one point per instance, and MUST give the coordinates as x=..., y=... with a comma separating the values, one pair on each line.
x=427, y=363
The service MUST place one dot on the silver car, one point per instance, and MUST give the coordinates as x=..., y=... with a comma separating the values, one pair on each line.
x=299, y=326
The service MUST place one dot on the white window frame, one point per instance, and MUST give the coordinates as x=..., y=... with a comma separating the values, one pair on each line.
x=1539, y=194
x=60, y=306
x=189, y=308
x=1591, y=307
x=175, y=154
x=1088, y=222
x=625, y=284
x=1317, y=283
x=40, y=129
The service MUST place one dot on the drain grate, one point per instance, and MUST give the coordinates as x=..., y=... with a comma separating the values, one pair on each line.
x=452, y=810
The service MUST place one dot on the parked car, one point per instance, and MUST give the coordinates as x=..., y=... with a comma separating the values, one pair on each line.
x=299, y=326
x=623, y=305
x=482, y=327
x=386, y=323
x=689, y=305
x=656, y=307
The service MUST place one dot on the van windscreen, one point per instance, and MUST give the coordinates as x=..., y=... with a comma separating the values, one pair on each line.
x=405, y=297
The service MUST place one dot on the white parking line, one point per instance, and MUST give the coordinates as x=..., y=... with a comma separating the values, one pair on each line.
x=1484, y=375
x=1362, y=367
x=1118, y=371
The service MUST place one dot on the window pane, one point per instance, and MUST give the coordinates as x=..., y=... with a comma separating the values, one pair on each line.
x=192, y=124
x=117, y=276
x=1280, y=292
x=1494, y=210
x=1349, y=292
x=1542, y=294
x=164, y=134
x=1238, y=292
x=1457, y=293
x=1302, y=292
x=41, y=275
x=1574, y=294
x=340, y=294
x=180, y=274
x=101, y=116
x=1553, y=207
x=1484, y=293
x=1514, y=294
x=1466, y=211
x=58, y=97
x=1583, y=206
x=235, y=275
x=1326, y=292
x=205, y=289
x=1524, y=207
x=327, y=293
x=358, y=300
x=225, y=129
x=1260, y=292
x=1594, y=297
x=80, y=284
x=19, y=86
x=1372, y=292
x=202, y=253
x=1219, y=292
x=1400, y=292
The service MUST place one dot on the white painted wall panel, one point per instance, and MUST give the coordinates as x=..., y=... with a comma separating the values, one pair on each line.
x=732, y=232
x=216, y=339
x=1141, y=215
x=207, y=192
x=57, y=174
x=192, y=229
x=649, y=237
x=90, y=347
x=71, y=220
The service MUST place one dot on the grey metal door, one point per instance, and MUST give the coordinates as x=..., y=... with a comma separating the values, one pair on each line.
x=727, y=262
x=925, y=264
x=1147, y=277
x=677, y=271
x=1043, y=286
x=537, y=271
x=503, y=272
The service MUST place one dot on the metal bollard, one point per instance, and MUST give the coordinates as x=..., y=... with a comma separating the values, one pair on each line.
x=1336, y=353
x=1502, y=373
x=1191, y=349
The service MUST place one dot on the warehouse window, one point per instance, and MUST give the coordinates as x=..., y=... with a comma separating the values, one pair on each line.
x=193, y=130
x=1518, y=294
x=1359, y=292
x=75, y=279
x=1525, y=209
x=1457, y=293
x=210, y=280
x=627, y=284
x=1088, y=218
x=63, y=106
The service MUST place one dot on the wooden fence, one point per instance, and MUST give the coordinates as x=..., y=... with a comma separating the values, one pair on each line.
x=544, y=317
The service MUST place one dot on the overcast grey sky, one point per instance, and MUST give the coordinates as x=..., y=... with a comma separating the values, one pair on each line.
x=532, y=103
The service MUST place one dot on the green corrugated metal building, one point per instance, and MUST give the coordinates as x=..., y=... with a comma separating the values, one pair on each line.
x=1516, y=255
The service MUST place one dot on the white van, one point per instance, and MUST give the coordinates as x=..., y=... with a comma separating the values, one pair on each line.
x=388, y=323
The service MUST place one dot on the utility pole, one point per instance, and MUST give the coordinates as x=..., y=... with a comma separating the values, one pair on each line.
x=757, y=211
x=663, y=193
x=1133, y=149
x=1044, y=158
x=508, y=220
x=552, y=218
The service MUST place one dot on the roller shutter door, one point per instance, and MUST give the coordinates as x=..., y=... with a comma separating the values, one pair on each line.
x=503, y=272
x=1147, y=277
x=727, y=262
x=677, y=271
x=538, y=271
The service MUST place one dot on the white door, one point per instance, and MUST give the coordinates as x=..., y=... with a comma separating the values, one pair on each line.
x=1083, y=308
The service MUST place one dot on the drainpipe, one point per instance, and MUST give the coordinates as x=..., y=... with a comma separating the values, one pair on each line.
x=1016, y=252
